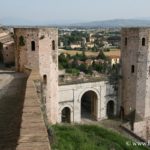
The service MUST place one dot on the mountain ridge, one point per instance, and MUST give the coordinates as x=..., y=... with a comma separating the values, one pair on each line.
x=145, y=22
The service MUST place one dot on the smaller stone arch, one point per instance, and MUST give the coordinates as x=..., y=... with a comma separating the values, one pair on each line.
x=61, y=109
x=110, y=109
x=66, y=115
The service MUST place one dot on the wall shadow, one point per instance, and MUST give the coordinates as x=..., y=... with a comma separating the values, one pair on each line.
x=11, y=108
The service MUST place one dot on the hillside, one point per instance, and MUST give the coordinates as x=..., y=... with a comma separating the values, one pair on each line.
x=116, y=23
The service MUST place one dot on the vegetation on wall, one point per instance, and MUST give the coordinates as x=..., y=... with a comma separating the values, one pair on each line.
x=21, y=41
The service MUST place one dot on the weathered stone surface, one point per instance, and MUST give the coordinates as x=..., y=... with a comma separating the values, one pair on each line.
x=21, y=123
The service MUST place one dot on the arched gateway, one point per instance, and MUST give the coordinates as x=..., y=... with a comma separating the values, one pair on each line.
x=89, y=105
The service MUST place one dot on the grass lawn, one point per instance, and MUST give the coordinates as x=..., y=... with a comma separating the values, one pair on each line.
x=89, y=137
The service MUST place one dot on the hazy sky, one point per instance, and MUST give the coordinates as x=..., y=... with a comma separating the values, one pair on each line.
x=78, y=10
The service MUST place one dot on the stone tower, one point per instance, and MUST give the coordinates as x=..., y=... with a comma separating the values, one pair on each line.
x=37, y=49
x=135, y=64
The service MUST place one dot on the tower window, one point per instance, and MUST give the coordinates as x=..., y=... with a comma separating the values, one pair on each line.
x=132, y=69
x=53, y=45
x=45, y=79
x=143, y=41
x=33, y=46
x=126, y=41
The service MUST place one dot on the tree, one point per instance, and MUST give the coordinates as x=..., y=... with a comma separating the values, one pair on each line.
x=83, y=68
x=101, y=55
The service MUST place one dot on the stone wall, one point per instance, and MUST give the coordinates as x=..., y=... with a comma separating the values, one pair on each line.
x=33, y=132
x=70, y=96
x=8, y=53
x=142, y=129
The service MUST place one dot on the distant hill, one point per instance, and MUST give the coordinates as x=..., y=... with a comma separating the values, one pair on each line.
x=116, y=23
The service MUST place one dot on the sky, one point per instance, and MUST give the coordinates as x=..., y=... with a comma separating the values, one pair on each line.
x=73, y=10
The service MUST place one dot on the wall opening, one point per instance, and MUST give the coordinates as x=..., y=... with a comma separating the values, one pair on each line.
x=45, y=79
x=53, y=45
x=143, y=41
x=126, y=41
x=65, y=115
x=89, y=105
x=132, y=69
x=1, y=53
x=33, y=45
x=110, y=109
x=122, y=112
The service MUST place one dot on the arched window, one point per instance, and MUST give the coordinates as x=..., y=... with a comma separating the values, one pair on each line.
x=110, y=109
x=65, y=115
x=45, y=79
x=126, y=41
x=33, y=45
x=143, y=41
x=53, y=45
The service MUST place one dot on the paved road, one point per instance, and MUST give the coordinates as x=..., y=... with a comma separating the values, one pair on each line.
x=12, y=90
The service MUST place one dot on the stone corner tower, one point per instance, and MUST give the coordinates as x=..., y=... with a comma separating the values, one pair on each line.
x=37, y=49
x=135, y=64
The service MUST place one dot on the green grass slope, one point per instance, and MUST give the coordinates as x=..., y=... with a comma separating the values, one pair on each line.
x=89, y=137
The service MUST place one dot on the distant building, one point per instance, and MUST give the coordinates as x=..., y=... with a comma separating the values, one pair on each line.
x=89, y=62
x=7, y=52
x=90, y=45
x=61, y=44
x=106, y=44
x=91, y=38
x=74, y=46
x=114, y=59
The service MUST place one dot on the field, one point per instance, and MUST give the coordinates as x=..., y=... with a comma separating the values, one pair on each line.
x=89, y=137
x=113, y=52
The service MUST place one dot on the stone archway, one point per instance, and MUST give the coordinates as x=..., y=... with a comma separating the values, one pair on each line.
x=110, y=109
x=89, y=102
x=66, y=115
